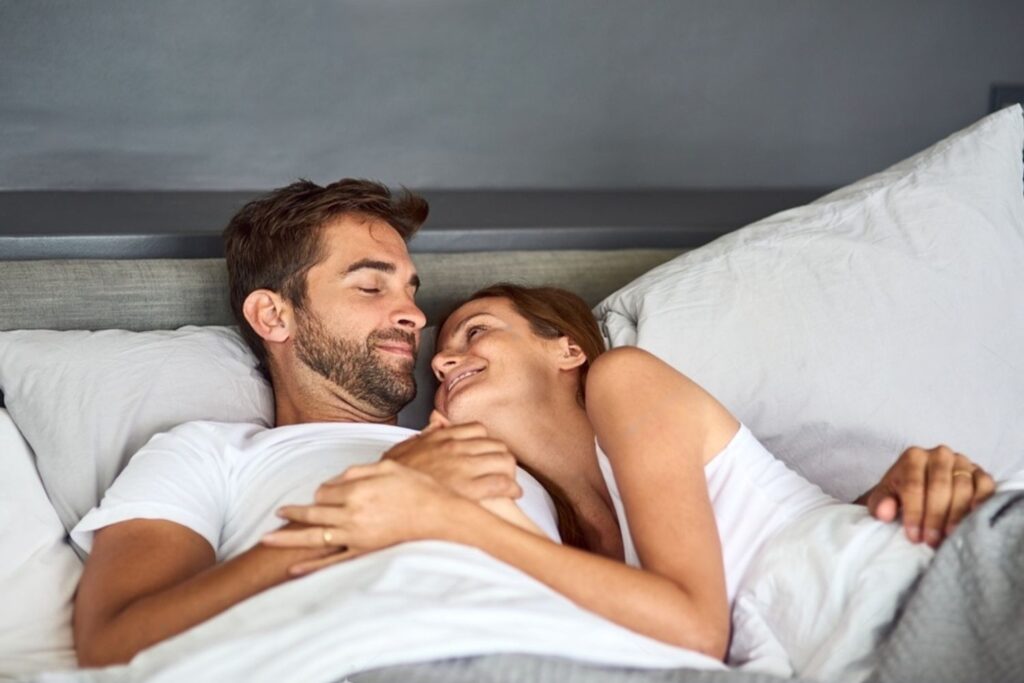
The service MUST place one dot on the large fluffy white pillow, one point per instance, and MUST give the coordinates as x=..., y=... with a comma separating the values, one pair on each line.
x=888, y=313
x=38, y=569
x=86, y=401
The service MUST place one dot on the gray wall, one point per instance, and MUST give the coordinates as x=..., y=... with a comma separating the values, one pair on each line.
x=240, y=94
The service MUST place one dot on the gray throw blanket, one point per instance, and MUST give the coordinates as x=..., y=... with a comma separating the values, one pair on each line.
x=964, y=621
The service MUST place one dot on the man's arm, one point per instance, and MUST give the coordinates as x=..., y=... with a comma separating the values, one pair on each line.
x=147, y=580
x=932, y=489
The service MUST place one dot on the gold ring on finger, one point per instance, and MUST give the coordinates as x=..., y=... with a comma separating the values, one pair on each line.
x=963, y=473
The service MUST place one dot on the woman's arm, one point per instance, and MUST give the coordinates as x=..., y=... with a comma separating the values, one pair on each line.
x=657, y=440
x=658, y=429
x=369, y=519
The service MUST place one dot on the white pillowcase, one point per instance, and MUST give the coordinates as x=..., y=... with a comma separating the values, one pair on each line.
x=38, y=569
x=886, y=314
x=86, y=401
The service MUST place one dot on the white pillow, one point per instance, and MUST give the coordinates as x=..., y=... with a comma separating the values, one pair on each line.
x=86, y=401
x=886, y=314
x=38, y=569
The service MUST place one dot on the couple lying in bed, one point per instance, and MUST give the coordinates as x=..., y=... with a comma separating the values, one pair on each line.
x=663, y=498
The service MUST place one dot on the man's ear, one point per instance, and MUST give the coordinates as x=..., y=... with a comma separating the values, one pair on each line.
x=268, y=314
x=570, y=355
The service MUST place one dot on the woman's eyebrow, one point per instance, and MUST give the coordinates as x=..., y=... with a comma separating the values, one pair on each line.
x=466, y=320
x=382, y=266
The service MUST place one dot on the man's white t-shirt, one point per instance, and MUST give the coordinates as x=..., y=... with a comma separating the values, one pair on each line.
x=226, y=480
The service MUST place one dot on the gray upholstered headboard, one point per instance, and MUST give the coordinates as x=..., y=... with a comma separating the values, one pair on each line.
x=168, y=293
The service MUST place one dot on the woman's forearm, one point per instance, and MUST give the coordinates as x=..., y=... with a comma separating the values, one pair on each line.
x=637, y=599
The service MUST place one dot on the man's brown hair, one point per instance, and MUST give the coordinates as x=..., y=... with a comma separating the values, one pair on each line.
x=273, y=241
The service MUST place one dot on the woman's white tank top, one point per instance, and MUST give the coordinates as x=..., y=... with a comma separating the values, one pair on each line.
x=754, y=496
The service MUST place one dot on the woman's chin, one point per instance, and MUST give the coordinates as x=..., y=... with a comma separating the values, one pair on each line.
x=459, y=411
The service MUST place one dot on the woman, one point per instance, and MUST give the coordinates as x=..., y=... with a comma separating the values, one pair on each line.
x=652, y=471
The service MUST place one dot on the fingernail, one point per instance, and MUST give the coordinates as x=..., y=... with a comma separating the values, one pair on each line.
x=914, y=534
x=296, y=571
x=932, y=536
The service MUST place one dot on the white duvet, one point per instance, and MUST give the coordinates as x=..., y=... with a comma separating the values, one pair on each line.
x=814, y=603
x=821, y=595
x=415, y=602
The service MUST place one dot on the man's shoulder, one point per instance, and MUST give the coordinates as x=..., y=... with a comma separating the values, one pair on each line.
x=218, y=431
x=205, y=437
x=234, y=437
x=336, y=432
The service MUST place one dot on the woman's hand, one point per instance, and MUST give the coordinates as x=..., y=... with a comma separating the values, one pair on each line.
x=367, y=508
x=933, y=489
x=461, y=457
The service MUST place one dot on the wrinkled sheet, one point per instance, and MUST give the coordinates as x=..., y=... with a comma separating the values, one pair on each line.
x=415, y=602
x=962, y=621
x=437, y=612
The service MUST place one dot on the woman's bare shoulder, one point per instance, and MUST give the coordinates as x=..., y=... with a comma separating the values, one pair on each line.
x=628, y=368
x=628, y=387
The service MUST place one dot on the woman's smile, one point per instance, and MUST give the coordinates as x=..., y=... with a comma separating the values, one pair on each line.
x=459, y=379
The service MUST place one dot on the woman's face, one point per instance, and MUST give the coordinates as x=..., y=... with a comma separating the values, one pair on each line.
x=488, y=357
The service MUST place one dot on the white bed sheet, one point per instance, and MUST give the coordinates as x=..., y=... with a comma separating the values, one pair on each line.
x=415, y=602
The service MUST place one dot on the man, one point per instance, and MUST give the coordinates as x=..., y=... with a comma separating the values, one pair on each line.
x=323, y=288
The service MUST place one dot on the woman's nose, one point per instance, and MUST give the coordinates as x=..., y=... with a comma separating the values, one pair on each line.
x=442, y=363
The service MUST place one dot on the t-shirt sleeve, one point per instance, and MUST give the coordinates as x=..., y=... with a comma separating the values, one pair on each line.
x=179, y=476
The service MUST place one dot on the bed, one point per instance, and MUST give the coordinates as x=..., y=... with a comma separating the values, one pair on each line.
x=886, y=313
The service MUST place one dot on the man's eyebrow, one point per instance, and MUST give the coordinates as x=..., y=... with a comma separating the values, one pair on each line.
x=372, y=264
x=382, y=266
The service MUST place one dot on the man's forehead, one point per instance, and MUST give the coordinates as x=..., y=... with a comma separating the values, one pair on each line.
x=348, y=241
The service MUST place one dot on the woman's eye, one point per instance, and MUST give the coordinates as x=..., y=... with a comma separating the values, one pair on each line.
x=472, y=332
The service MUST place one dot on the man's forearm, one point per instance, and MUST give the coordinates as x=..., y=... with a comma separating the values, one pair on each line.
x=154, y=618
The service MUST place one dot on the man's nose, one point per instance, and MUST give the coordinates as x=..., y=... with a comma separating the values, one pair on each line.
x=409, y=316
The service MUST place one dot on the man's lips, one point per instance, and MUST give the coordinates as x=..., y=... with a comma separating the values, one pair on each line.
x=397, y=349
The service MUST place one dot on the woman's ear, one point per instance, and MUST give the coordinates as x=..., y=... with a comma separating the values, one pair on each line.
x=268, y=314
x=570, y=354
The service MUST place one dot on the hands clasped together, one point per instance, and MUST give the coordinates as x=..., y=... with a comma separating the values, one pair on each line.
x=413, y=493
x=416, y=491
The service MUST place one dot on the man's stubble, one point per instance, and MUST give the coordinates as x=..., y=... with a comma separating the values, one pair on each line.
x=357, y=367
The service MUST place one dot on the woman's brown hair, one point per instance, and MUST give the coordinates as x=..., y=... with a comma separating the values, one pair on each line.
x=554, y=313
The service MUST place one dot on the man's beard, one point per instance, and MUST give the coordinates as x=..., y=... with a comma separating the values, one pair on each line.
x=357, y=367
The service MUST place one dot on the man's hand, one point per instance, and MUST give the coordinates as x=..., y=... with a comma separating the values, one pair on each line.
x=461, y=457
x=368, y=508
x=933, y=489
